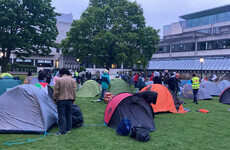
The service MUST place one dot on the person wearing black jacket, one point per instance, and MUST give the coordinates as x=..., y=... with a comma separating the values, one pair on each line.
x=48, y=77
x=172, y=82
x=157, y=79
x=41, y=75
x=178, y=82
x=166, y=78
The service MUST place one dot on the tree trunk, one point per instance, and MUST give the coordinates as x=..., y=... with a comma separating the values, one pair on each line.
x=5, y=59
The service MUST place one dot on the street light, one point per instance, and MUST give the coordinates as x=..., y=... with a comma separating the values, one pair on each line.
x=201, y=62
x=1, y=54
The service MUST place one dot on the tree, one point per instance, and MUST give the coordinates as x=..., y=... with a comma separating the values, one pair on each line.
x=111, y=31
x=26, y=27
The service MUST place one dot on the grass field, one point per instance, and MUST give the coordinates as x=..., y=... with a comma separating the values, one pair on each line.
x=190, y=131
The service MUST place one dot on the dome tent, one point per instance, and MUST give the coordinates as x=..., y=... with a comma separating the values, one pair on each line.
x=26, y=109
x=89, y=89
x=225, y=96
x=223, y=85
x=119, y=86
x=5, y=75
x=136, y=107
x=7, y=83
x=46, y=88
x=31, y=80
x=202, y=94
x=212, y=88
x=167, y=101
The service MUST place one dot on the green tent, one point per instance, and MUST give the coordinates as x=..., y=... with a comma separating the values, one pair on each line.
x=3, y=75
x=89, y=89
x=118, y=85
x=7, y=84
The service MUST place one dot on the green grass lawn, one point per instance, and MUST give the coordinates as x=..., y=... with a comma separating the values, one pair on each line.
x=190, y=131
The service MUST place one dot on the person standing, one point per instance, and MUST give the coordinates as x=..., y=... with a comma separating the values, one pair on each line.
x=29, y=73
x=157, y=79
x=48, y=77
x=151, y=78
x=172, y=83
x=117, y=75
x=178, y=82
x=41, y=75
x=135, y=79
x=64, y=96
x=105, y=82
x=166, y=78
x=195, y=87
x=140, y=82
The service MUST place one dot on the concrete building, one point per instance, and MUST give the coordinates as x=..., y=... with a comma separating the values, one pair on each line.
x=203, y=34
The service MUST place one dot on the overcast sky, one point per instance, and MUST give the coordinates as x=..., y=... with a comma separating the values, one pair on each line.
x=157, y=12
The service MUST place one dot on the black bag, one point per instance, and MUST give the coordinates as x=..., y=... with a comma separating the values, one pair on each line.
x=124, y=127
x=77, y=117
x=140, y=133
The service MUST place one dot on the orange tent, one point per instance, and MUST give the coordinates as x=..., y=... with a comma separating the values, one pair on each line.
x=167, y=101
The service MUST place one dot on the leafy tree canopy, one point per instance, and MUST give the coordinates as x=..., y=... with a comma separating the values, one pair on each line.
x=111, y=32
x=26, y=27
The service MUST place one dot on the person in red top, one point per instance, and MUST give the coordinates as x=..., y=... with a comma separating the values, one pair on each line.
x=135, y=79
x=151, y=78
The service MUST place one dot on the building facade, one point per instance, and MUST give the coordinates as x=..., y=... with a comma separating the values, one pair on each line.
x=203, y=34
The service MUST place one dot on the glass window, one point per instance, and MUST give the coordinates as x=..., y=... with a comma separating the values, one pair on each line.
x=189, y=47
x=41, y=61
x=221, y=17
x=19, y=60
x=163, y=49
x=212, y=45
x=216, y=30
x=44, y=63
x=201, y=46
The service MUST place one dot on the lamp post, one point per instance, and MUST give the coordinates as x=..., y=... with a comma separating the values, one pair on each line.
x=201, y=62
x=78, y=63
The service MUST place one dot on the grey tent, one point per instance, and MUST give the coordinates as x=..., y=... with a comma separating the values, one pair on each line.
x=212, y=88
x=26, y=109
x=223, y=85
x=31, y=80
x=225, y=96
x=148, y=83
x=202, y=92
x=187, y=91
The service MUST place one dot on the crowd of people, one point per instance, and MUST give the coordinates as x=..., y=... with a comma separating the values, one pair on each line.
x=66, y=87
x=170, y=80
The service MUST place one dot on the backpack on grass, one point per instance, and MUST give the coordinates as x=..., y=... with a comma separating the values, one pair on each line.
x=77, y=117
x=124, y=127
x=140, y=133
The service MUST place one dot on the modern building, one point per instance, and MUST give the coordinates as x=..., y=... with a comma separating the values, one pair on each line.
x=204, y=34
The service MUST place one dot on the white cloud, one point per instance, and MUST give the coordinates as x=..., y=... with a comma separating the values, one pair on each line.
x=157, y=12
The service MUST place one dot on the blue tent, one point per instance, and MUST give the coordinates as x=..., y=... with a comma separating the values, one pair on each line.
x=8, y=83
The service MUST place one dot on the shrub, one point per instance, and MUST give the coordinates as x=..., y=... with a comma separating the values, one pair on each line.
x=19, y=67
x=82, y=69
